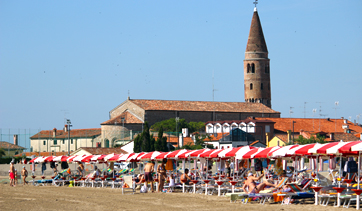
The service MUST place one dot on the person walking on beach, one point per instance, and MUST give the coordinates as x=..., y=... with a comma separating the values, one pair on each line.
x=24, y=175
x=161, y=170
x=12, y=174
x=149, y=168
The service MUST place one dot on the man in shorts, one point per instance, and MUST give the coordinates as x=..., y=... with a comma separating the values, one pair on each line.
x=149, y=168
x=12, y=174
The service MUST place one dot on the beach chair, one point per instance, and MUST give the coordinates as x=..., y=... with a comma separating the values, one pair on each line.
x=129, y=181
x=298, y=192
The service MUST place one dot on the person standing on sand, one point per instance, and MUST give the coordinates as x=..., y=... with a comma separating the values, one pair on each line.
x=24, y=175
x=12, y=174
x=149, y=168
x=161, y=170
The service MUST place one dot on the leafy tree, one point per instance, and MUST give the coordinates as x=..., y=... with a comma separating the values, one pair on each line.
x=313, y=139
x=138, y=143
x=2, y=152
x=161, y=143
x=169, y=125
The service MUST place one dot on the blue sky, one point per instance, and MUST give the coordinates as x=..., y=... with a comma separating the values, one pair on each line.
x=79, y=59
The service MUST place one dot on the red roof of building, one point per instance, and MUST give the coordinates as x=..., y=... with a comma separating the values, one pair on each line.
x=175, y=105
x=7, y=145
x=28, y=154
x=61, y=134
x=313, y=125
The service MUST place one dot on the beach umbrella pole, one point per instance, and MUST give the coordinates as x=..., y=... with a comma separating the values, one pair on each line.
x=358, y=179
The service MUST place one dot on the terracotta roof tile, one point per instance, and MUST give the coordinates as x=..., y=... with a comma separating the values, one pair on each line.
x=312, y=125
x=284, y=137
x=75, y=133
x=188, y=140
x=7, y=145
x=28, y=154
x=175, y=105
x=129, y=118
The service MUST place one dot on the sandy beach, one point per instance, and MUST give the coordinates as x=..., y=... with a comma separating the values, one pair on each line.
x=67, y=198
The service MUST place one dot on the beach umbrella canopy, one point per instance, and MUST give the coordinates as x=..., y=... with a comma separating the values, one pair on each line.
x=76, y=158
x=58, y=158
x=87, y=158
x=95, y=157
x=249, y=154
x=115, y=157
x=323, y=149
x=101, y=158
x=125, y=156
x=32, y=160
x=281, y=152
x=64, y=159
x=135, y=157
x=186, y=154
x=222, y=153
x=49, y=159
x=39, y=159
x=162, y=155
x=336, y=150
x=216, y=153
x=206, y=154
x=304, y=150
x=196, y=153
x=357, y=147
x=106, y=158
x=264, y=153
x=239, y=150
x=149, y=155
x=175, y=153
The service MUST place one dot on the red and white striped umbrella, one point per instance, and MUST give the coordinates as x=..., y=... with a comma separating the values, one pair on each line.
x=77, y=158
x=135, y=157
x=59, y=158
x=223, y=152
x=125, y=156
x=115, y=157
x=175, y=153
x=70, y=158
x=64, y=159
x=335, y=150
x=217, y=152
x=40, y=159
x=149, y=155
x=305, y=150
x=239, y=150
x=106, y=158
x=162, y=155
x=87, y=158
x=206, y=154
x=281, y=152
x=196, y=153
x=249, y=154
x=33, y=160
x=323, y=149
x=49, y=159
x=186, y=154
x=353, y=147
x=264, y=153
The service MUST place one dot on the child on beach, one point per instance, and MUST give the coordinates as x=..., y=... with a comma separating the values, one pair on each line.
x=24, y=174
x=172, y=183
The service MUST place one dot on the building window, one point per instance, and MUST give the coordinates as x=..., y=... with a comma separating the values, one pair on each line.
x=267, y=128
x=251, y=86
x=266, y=68
x=71, y=141
x=44, y=142
x=63, y=141
x=248, y=68
x=261, y=86
x=55, y=142
x=252, y=68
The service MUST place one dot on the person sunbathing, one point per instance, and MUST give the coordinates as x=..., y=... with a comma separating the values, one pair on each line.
x=186, y=177
x=250, y=183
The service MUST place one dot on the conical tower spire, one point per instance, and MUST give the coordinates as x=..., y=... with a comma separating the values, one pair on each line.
x=256, y=41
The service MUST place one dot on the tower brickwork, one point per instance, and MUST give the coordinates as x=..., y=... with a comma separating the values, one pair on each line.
x=257, y=65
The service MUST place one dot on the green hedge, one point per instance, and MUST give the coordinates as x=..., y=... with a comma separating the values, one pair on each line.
x=7, y=159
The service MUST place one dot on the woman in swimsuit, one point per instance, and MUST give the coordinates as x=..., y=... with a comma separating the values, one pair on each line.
x=161, y=170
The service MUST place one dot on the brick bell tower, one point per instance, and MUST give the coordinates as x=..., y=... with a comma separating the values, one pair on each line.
x=256, y=65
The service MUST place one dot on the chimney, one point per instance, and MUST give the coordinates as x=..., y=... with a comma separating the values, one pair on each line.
x=65, y=128
x=181, y=140
x=344, y=121
x=54, y=132
x=289, y=136
x=185, y=132
x=15, y=139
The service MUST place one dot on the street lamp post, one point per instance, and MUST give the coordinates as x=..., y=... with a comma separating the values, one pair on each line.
x=68, y=127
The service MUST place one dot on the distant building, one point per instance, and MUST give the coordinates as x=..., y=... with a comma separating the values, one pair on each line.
x=98, y=151
x=11, y=149
x=332, y=129
x=57, y=140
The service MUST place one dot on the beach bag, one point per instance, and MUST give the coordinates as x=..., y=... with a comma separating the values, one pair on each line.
x=143, y=189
